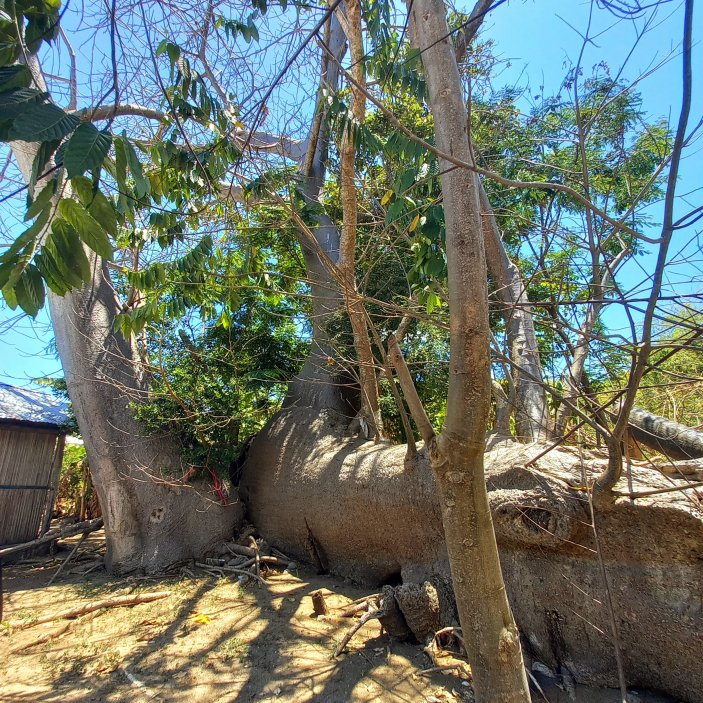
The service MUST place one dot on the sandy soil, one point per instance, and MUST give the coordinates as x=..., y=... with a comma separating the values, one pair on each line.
x=209, y=640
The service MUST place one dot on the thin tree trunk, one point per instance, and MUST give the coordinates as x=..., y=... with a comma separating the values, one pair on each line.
x=574, y=371
x=531, y=411
x=320, y=383
x=457, y=454
x=370, y=411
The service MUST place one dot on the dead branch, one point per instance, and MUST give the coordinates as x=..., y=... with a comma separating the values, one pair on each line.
x=257, y=557
x=231, y=569
x=371, y=615
x=438, y=668
x=352, y=610
x=43, y=639
x=115, y=602
x=68, y=558
x=658, y=491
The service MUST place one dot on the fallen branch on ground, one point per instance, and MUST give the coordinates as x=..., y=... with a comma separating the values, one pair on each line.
x=437, y=669
x=52, y=535
x=371, y=615
x=68, y=558
x=44, y=638
x=231, y=569
x=116, y=602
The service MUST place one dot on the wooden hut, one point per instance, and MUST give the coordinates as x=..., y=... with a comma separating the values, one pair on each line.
x=32, y=437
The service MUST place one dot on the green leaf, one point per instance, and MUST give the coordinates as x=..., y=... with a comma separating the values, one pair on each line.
x=44, y=153
x=66, y=249
x=97, y=204
x=41, y=200
x=87, y=227
x=17, y=102
x=104, y=212
x=141, y=184
x=40, y=27
x=121, y=164
x=17, y=76
x=30, y=291
x=50, y=272
x=86, y=150
x=60, y=154
x=43, y=122
x=10, y=297
x=15, y=257
x=84, y=188
x=5, y=127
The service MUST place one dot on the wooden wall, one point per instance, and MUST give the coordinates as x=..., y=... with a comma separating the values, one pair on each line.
x=29, y=456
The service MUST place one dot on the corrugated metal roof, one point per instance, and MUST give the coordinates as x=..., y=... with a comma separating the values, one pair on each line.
x=36, y=407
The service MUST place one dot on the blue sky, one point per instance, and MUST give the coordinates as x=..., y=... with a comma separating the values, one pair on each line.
x=538, y=41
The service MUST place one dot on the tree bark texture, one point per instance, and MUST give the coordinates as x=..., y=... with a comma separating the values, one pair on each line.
x=574, y=371
x=531, y=412
x=370, y=410
x=674, y=440
x=377, y=517
x=152, y=518
x=456, y=456
x=320, y=382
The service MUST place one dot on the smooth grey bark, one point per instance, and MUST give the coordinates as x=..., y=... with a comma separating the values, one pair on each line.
x=574, y=371
x=456, y=455
x=152, y=518
x=320, y=383
x=377, y=518
x=530, y=401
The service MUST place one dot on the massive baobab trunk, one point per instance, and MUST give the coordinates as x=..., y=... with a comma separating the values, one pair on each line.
x=377, y=517
x=153, y=518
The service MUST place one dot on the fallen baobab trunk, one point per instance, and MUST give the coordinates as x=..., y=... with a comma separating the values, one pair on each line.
x=674, y=440
x=365, y=515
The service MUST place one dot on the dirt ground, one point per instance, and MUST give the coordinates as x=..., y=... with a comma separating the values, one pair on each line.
x=211, y=639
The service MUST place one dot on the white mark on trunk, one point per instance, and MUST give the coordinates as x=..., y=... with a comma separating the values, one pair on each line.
x=157, y=515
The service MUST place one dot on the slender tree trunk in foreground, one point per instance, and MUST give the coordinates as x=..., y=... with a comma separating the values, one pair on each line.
x=457, y=454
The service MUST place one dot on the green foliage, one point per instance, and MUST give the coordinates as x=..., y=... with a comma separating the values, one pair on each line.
x=75, y=486
x=73, y=211
x=36, y=20
x=212, y=390
x=86, y=150
x=674, y=387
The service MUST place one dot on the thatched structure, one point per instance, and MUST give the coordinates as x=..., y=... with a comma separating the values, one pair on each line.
x=32, y=437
